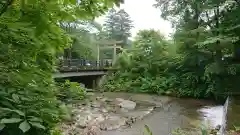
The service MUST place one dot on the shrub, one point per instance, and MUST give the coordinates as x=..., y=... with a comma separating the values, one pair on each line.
x=71, y=91
x=28, y=105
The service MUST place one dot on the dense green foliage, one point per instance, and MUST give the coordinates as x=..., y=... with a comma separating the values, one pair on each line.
x=143, y=68
x=205, y=63
x=70, y=92
x=85, y=36
x=204, y=36
x=30, y=38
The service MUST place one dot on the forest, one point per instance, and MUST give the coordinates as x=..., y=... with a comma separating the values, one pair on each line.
x=200, y=59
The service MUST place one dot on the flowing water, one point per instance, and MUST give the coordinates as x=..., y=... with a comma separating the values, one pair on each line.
x=175, y=113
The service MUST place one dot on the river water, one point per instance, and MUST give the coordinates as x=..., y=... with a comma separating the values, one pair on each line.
x=176, y=113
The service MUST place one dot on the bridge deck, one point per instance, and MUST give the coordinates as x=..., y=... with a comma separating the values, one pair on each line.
x=72, y=68
x=74, y=74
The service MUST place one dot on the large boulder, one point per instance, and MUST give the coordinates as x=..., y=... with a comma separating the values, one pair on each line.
x=126, y=104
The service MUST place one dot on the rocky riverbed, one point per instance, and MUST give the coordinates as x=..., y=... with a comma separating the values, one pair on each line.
x=108, y=113
x=126, y=114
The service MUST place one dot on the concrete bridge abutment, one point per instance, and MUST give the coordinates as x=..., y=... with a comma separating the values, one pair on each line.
x=90, y=82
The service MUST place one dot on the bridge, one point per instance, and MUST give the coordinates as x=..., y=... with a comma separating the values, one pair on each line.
x=87, y=71
x=82, y=67
x=81, y=70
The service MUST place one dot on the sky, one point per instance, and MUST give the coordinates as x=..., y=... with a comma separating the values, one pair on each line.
x=144, y=16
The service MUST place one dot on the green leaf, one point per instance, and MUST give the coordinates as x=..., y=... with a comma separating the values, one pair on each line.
x=34, y=119
x=2, y=126
x=204, y=132
x=237, y=128
x=73, y=2
x=24, y=126
x=16, y=111
x=19, y=112
x=11, y=120
x=37, y=125
x=6, y=103
x=148, y=130
x=15, y=97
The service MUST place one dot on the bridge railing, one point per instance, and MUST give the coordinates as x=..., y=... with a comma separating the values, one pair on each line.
x=82, y=64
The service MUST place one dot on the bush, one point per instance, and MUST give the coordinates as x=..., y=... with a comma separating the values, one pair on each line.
x=28, y=106
x=71, y=91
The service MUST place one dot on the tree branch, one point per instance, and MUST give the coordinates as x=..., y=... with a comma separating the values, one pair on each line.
x=5, y=7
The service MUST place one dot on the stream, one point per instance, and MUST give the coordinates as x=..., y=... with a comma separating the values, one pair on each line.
x=179, y=113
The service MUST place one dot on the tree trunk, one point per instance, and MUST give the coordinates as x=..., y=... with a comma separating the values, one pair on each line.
x=218, y=49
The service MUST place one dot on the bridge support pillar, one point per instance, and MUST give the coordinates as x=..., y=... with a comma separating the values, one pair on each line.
x=90, y=82
x=95, y=82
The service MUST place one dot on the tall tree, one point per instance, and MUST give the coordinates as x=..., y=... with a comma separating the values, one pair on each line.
x=118, y=25
x=124, y=26
x=110, y=24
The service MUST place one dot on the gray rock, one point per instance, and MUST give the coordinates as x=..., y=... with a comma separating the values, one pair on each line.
x=159, y=105
x=98, y=98
x=119, y=100
x=138, y=115
x=85, y=119
x=97, y=118
x=104, y=110
x=123, y=110
x=96, y=105
x=82, y=122
x=70, y=130
x=90, y=94
x=103, y=99
x=96, y=110
x=113, y=122
x=92, y=130
x=127, y=104
x=108, y=100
